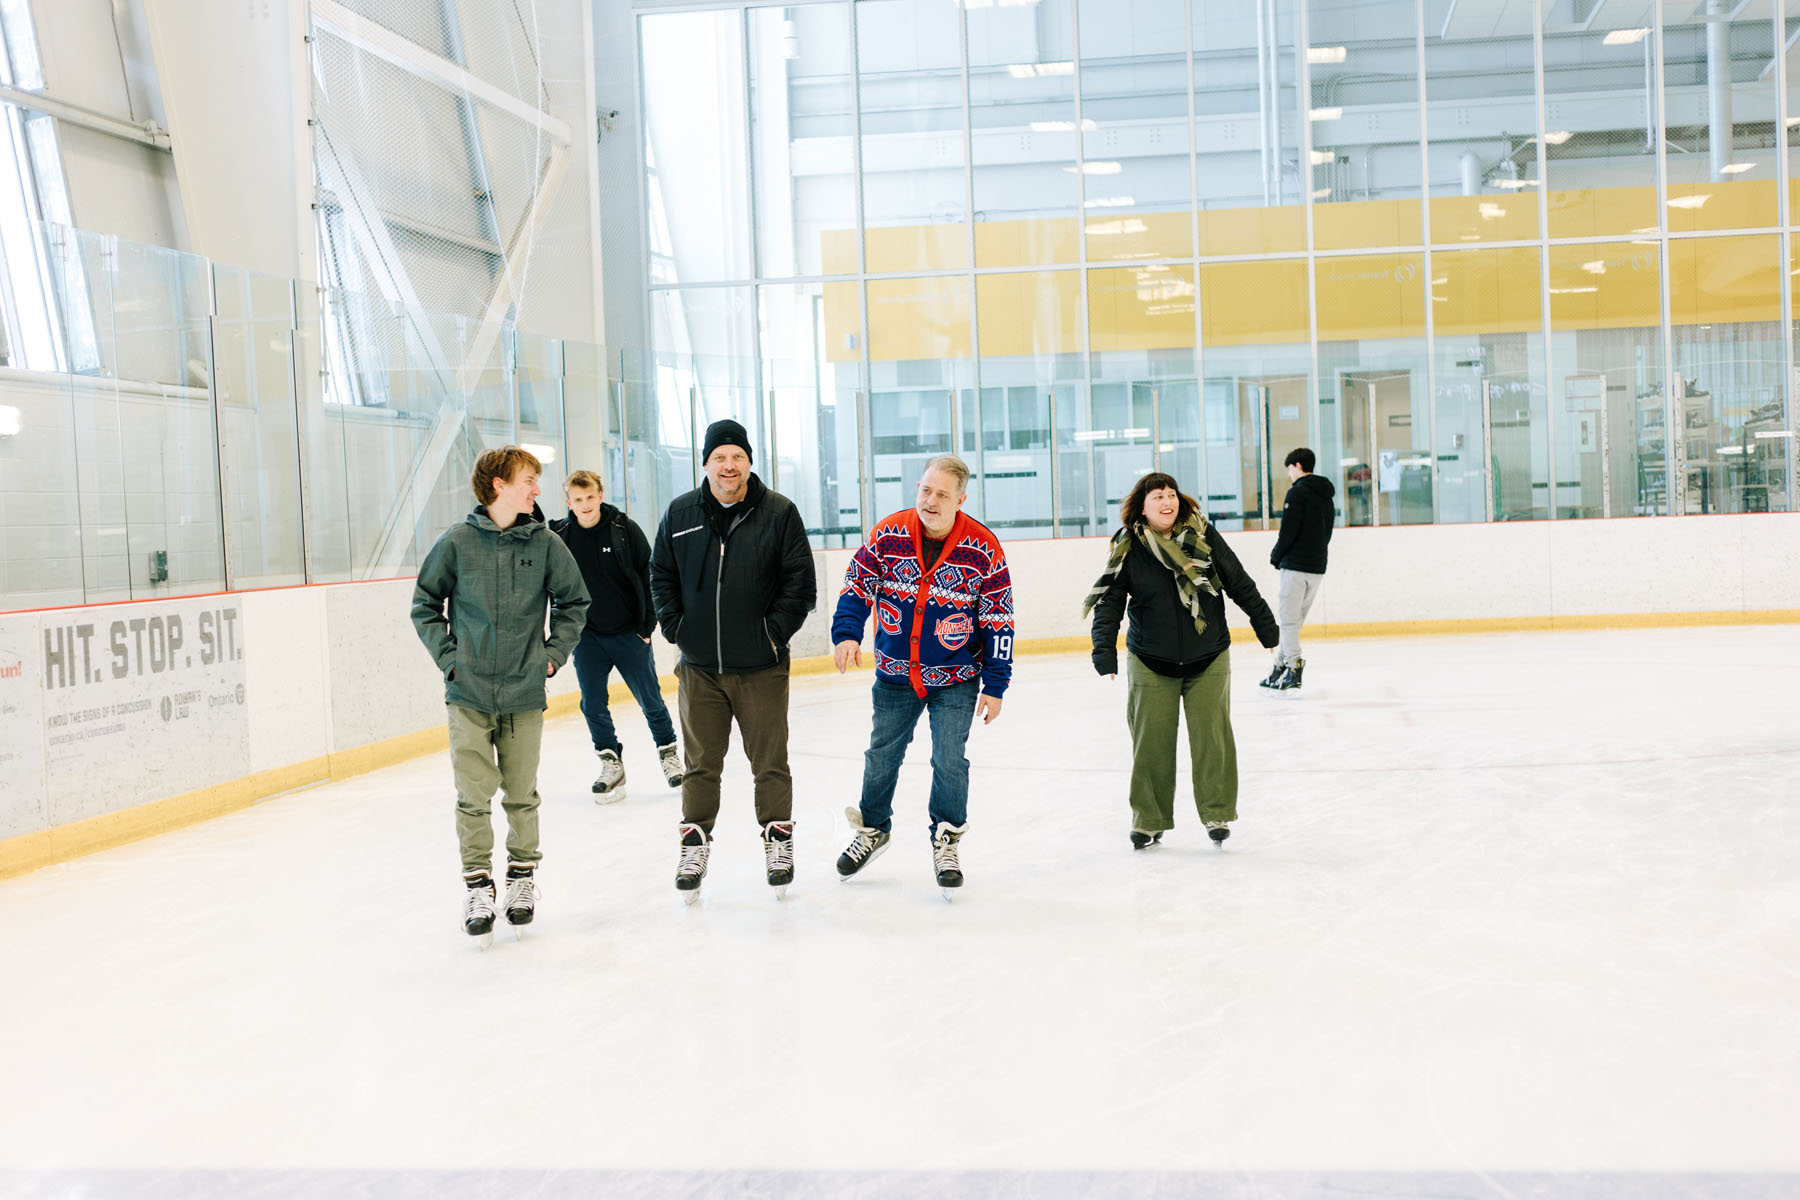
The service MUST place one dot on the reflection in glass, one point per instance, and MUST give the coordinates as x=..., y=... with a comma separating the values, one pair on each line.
x=698, y=185
x=1481, y=125
x=253, y=356
x=705, y=370
x=1254, y=330
x=1724, y=313
x=1719, y=100
x=801, y=125
x=1032, y=392
x=1488, y=346
x=1371, y=323
x=812, y=371
x=1022, y=115
x=1136, y=178
x=1145, y=404
x=1364, y=116
x=915, y=196
x=1600, y=126
x=1606, y=343
x=920, y=374
x=1247, y=127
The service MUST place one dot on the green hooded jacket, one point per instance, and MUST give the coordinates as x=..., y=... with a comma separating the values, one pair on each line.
x=479, y=608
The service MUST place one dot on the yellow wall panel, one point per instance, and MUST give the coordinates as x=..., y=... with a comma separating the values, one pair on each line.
x=1716, y=280
x=1487, y=218
x=1355, y=224
x=1029, y=314
x=1275, y=230
x=1603, y=212
x=1371, y=296
x=843, y=322
x=918, y=318
x=1485, y=291
x=1253, y=303
x=1141, y=308
x=1605, y=285
x=1733, y=204
x=837, y=252
x=1116, y=235
x=918, y=248
x=1026, y=243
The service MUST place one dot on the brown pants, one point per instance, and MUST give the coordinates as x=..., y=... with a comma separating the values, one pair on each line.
x=759, y=702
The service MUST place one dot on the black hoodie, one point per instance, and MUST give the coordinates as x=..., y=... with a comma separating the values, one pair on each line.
x=614, y=557
x=1306, y=521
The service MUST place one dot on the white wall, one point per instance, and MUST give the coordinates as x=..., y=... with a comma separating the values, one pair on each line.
x=330, y=668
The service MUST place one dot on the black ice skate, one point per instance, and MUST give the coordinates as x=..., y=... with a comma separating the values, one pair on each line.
x=1218, y=831
x=865, y=844
x=943, y=856
x=1275, y=674
x=778, y=855
x=610, y=787
x=478, y=909
x=521, y=896
x=670, y=758
x=1290, y=677
x=696, y=847
x=1141, y=839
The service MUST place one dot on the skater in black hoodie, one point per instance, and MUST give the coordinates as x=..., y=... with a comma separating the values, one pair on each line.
x=614, y=557
x=1299, y=554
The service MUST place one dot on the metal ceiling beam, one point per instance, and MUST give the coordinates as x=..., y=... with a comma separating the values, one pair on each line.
x=147, y=134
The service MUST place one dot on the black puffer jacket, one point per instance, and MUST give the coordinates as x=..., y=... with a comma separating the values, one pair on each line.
x=732, y=586
x=1306, y=520
x=1161, y=626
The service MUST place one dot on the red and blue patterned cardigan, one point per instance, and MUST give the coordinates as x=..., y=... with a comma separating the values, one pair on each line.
x=962, y=631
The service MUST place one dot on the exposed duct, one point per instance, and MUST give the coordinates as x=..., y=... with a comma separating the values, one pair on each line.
x=1718, y=86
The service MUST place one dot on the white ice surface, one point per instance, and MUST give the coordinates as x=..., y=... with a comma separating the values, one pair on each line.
x=1499, y=903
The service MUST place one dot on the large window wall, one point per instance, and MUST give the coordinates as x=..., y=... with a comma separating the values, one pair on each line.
x=1493, y=263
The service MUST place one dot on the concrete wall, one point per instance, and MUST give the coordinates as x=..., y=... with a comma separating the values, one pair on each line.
x=296, y=675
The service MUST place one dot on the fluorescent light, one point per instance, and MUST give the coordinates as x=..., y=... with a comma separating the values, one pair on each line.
x=1036, y=70
x=1321, y=157
x=1731, y=449
x=1690, y=201
x=1110, y=202
x=1572, y=291
x=1490, y=211
x=1557, y=138
x=1736, y=168
x=11, y=421
x=1321, y=193
x=1325, y=54
x=1597, y=267
x=1060, y=126
x=997, y=3
x=1098, y=168
x=1093, y=435
x=1116, y=227
x=1515, y=184
x=1134, y=433
x=544, y=454
x=1326, y=114
x=1624, y=37
x=1775, y=433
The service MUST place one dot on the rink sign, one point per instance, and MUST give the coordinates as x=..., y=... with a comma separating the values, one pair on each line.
x=140, y=701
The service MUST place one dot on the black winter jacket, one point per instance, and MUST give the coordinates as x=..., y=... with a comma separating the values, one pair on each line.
x=614, y=557
x=1306, y=521
x=1161, y=626
x=732, y=586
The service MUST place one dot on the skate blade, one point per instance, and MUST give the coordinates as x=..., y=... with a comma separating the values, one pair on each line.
x=518, y=932
x=691, y=898
x=780, y=891
x=612, y=797
x=949, y=895
x=483, y=940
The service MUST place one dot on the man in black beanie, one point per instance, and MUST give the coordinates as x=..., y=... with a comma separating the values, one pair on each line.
x=732, y=581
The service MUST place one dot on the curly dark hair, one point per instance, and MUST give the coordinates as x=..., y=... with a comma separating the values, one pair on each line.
x=1131, y=509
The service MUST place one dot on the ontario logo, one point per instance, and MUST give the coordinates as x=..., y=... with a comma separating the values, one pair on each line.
x=888, y=616
x=954, y=630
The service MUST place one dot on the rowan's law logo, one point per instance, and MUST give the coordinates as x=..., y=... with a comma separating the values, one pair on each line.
x=954, y=630
x=13, y=670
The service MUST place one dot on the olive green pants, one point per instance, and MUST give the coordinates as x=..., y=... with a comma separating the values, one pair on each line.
x=1153, y=710
x=489, y=752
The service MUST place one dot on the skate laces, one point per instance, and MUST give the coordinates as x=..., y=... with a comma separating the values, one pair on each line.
x=779, y=851
x=611, y=769
x=480, y=904
x=943, y=854
x=521, y=892
x=693, y=859
x=862, y=844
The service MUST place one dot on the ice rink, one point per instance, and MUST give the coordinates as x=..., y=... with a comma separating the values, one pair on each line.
x=1507, y=915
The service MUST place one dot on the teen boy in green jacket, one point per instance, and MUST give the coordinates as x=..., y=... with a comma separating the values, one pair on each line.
x=479, y=608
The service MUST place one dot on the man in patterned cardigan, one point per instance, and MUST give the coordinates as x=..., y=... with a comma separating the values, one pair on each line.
x=937, y=582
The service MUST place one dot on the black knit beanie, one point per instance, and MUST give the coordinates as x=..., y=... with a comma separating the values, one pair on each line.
x=726, y=433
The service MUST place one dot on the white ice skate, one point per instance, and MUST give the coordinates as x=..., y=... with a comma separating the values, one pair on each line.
x=478, y=909
x=672, y=770
x=610, y=787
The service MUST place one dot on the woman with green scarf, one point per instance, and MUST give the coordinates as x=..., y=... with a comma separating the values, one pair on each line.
x=1167, y=568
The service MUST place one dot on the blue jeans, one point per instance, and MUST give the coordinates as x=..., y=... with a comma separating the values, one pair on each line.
x=595, y=658
x=897, y=711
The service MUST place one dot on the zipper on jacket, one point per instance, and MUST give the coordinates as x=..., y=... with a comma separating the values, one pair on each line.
x=718, y=600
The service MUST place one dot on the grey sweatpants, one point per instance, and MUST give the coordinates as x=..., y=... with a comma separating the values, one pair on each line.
x=1298, y=591
x=489, y=752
